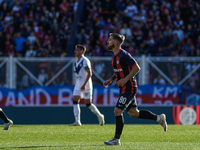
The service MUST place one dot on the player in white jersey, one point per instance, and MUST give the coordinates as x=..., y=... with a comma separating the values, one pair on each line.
x=83, y=87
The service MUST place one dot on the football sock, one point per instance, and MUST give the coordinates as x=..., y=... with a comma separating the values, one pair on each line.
x=119, y=126
x=3, y=116
x=77, y=112
x=158, y=118
x=146, y=114
x=94, y=109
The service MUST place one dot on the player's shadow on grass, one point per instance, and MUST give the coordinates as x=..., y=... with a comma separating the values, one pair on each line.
x=69, y=146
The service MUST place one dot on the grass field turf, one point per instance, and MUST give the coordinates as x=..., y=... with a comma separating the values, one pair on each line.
x=92, y=137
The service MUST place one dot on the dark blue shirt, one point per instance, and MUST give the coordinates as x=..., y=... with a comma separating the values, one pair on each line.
x=122, y=64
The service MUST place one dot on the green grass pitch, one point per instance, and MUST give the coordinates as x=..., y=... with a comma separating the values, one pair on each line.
x=92, y=137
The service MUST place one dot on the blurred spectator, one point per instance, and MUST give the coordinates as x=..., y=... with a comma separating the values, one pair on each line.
x=32, y=38
x=103, y=40
x=125, y=31
x=107, y=6
x=178, y=22
x=185, y=39
x=131, y=50
x=176, y=43
x=159, y=80
x=82, y=37
x=152, y=50
x=42, y=76
x=187, y=46
x=10, y=50
x=19, y=41
x=64, y=7
x=120, y=6
x=4, y=9
x=193, y=51
x=190, y=31
x=131, y=9
x=179, y=32
x=30, y=52
x=160, y=52
x=98, y=50
x=174, y=74
x=26, y=81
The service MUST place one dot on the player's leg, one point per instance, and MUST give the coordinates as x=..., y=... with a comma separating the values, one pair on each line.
x=121, y=105
x=7, y=121
x=76, y=108
x=146, y=114
x=143, y=114
x=118, y=128
x=88, y=101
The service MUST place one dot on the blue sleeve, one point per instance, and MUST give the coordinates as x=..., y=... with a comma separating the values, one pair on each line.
x=130, y=61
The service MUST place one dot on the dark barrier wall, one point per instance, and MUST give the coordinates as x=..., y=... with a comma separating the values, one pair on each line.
x=64, y=115
x=179, y=114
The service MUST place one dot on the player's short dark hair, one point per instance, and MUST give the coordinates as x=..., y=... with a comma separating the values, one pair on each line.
x=81, y=47
x=120, y=38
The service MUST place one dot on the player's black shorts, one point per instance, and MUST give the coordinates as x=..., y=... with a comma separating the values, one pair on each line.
x=126, y=101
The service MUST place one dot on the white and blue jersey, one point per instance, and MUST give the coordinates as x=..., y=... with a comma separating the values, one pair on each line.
x=81, y=74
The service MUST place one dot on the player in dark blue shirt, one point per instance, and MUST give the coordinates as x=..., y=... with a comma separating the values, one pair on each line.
x=123, y=63
x=125, y=68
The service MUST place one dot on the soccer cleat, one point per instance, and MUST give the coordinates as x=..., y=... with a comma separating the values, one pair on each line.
x=101, y=120
x=75, y=124
x=163, y=122
x=8, y=124
x=114, y=141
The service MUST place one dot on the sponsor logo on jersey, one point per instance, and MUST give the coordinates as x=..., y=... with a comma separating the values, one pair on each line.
x=118, y=70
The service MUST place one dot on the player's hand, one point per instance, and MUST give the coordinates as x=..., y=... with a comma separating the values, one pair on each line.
x=83, y=88
x=106, y=83
x=121, y=82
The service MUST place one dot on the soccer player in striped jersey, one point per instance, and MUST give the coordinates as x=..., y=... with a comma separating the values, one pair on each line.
x=125, y=68
x=7, y=121
x=83, y=86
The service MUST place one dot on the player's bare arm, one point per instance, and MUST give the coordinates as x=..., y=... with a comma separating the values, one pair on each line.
x=133, y=72
x=89, y=75
x=109, y=81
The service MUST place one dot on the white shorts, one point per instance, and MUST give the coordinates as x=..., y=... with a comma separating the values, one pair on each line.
x=87, y=94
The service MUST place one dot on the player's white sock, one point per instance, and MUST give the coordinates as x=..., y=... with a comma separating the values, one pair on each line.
x=94, y=109
x=158, y=118
x=77, y=112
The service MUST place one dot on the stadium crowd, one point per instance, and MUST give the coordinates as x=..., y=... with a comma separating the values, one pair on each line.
x=151, y=27
x=37, y=28
x=41, y=28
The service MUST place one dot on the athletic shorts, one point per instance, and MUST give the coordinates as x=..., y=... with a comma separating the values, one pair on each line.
x=126, y=101
x=87, y=94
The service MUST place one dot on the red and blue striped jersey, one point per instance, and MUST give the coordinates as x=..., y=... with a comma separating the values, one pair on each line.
x=122, y=64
